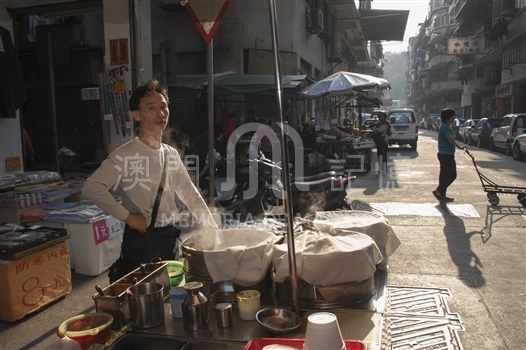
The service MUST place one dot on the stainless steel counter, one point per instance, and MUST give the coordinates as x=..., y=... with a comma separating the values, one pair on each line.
x=358, y=322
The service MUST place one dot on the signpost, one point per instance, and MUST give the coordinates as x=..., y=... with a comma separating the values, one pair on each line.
x=207, y=15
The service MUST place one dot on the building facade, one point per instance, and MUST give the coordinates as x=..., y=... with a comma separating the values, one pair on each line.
x=159, y=39
x=470, y=56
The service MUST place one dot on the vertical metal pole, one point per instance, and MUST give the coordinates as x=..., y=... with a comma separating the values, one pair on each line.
x=164, y=67
x=52, y=88
x=285, y=160
x=210, y=100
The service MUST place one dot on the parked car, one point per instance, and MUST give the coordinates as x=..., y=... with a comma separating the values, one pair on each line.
x=404, y=127
x=509, y=127
x=464, y=132
x=518, y=148
x=482, y=132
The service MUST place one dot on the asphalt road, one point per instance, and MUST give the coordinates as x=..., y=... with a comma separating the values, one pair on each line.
x=479, y=257
x=481, y=260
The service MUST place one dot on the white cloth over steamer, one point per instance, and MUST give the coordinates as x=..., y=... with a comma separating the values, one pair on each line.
x=329, y=258
x=373, y=225
x=242, y=256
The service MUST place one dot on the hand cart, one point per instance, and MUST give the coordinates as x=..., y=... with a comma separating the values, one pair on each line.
x=493, y=190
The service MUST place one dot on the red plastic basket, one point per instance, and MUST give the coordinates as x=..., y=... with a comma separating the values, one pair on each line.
x=87, y=329
x=260, y=343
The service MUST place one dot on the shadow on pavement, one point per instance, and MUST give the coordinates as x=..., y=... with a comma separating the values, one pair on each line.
x=496, y=213
x=459, y=247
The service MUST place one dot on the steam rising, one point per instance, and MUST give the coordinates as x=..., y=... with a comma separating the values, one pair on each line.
x=175, y=137
x=310, y=202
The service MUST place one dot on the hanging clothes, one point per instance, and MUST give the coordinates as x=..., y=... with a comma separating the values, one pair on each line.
x=12, y=88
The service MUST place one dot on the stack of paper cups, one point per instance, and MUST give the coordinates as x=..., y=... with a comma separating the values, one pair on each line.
x=323, y=332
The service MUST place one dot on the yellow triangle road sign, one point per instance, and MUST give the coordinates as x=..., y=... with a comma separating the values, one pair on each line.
x=207, y=15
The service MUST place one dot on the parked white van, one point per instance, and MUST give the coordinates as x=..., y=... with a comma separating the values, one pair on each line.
x=404, y=127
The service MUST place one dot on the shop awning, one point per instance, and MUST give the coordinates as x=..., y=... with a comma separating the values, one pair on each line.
x=383, y=24
x=229, y=83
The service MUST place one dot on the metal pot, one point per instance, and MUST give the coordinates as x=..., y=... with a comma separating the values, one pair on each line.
x=146, y=304
x=327, y=296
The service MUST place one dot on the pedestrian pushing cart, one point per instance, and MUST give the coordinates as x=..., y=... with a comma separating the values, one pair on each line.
x=493, y=190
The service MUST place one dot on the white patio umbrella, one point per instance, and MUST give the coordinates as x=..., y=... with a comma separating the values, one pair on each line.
x=343, y=83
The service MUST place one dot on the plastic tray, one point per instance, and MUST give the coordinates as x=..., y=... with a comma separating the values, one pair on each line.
x=260, y=343
x=15, y=242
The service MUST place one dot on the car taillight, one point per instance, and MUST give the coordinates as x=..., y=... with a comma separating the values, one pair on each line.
x=514, y=131
x=416, y=129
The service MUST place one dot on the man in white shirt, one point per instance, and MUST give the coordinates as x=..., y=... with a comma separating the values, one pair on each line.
x=134, y=172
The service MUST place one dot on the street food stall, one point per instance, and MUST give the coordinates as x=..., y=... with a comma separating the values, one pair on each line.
x=342, y=260
x=345, y=148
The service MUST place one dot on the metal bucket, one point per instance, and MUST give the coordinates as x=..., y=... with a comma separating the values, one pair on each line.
x=115, y=294
x=146, y=304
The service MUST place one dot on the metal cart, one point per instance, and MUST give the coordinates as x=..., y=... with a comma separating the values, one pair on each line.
x=493, y=190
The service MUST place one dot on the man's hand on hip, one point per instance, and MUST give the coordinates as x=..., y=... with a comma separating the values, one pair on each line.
x=136, y=222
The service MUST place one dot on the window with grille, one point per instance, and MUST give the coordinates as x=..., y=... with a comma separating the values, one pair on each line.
x=514, y=53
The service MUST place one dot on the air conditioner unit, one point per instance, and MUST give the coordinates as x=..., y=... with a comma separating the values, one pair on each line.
x=315, y=21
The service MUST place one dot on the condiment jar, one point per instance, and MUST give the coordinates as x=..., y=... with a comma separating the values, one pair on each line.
x=195, y=307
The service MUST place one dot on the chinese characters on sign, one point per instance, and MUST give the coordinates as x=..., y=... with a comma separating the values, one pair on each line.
x=503, y=90
x=40, y=258
x=465, y=46
x=119, y=51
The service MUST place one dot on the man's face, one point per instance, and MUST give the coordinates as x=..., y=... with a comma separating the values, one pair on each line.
x=153, y=112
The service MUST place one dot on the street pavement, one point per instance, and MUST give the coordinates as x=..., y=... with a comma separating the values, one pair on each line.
x=478, y=255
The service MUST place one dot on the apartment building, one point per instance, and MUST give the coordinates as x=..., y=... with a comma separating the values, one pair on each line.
x=470, y=56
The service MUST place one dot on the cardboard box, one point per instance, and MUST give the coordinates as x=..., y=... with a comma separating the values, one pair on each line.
x=58, y=225
x=31, y=282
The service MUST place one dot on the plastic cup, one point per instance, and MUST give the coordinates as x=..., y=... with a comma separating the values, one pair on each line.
x=323, y=332
x=248, y=302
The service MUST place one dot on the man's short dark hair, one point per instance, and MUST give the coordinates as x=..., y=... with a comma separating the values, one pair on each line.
x=150, y=86
x=446, y=114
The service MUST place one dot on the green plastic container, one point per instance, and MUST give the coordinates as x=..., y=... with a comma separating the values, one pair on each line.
x=175, y=272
